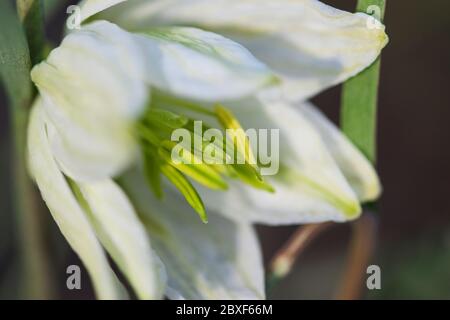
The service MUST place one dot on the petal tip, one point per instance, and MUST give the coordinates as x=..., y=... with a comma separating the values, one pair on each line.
x=352, y=210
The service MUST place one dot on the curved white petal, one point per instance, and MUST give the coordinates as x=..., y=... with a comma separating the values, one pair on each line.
x=96, y=84
x=92, y=7
x=64, y=208
x=218, y=260
x=196, y=64
x=290, y=204
x=358, y=171
x=309, y=186
x=93, y=91
x=310, y=45
x=124, y=236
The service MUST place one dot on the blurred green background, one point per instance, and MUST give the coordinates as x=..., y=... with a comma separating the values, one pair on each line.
x=413, y=247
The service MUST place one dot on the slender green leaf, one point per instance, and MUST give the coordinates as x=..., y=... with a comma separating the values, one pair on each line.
x=15, y=76
x=359, y=97
x=31, y=13
x=52, y=6
x=14, y=58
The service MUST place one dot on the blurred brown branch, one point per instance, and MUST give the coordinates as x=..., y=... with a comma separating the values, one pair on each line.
x=283, y=261
x=361, y=249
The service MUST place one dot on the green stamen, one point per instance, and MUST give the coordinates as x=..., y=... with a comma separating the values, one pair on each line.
x=186, y=188
x=206, y=160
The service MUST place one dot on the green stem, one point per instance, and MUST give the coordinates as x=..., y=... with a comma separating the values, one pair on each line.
x=15, y=67
x=31, y=14
x=359, y=123
x=34, y=256
x=359, y=99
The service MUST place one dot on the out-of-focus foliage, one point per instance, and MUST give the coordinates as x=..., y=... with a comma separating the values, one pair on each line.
x=416, y=270
x=50, y=6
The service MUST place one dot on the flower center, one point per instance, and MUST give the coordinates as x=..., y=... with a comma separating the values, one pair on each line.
x=178, y=142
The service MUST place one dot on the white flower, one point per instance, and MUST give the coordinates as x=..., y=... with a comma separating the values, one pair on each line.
x=114, y=71
x=99, y=84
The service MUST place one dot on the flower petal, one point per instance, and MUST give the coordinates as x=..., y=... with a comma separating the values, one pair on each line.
x=64, y=208
x=358, y=171
x=93, y=91
x=218, y=260
x=289, y=204
x=310, y=45
x=123, y=235
x=92, y=7
x=196, y=64
x=309, y=186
